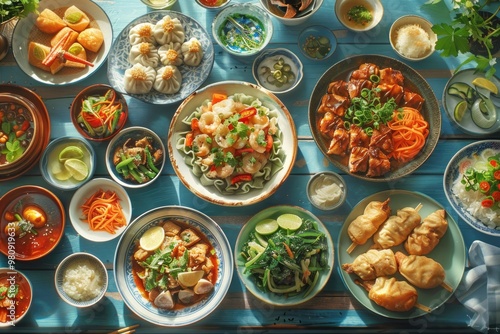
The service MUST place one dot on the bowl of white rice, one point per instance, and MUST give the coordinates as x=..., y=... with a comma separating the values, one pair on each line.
x=412, y=38
x=479, y=208
x=81, y=279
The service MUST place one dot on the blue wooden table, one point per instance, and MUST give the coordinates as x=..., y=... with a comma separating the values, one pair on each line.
x=334, y=309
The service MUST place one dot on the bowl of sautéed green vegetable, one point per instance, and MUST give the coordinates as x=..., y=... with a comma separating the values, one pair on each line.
x=284, y=255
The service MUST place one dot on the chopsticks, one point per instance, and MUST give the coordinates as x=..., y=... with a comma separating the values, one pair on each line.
x=125, y=330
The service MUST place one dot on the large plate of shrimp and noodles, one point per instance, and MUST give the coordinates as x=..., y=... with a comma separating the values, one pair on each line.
x=232, y=143
x=374, y=117
x=434, y=272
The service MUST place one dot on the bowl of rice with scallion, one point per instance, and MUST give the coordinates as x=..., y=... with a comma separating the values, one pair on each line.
x=81, y=279
x=412, y=37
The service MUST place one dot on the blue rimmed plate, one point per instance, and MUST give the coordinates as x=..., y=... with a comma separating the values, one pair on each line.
x=452, y=173
x=192, y=76
x=125, y=280
x=24, y=33
x=450, y=253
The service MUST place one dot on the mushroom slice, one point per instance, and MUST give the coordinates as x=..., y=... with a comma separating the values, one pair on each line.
x=186, y=296
x=290, y=12
x=164, y=300
x=203, y=286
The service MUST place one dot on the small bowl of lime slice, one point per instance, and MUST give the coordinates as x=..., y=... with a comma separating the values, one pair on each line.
x=68, y=162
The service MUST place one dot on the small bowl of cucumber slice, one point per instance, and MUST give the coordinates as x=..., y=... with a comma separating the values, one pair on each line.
x=472, y=102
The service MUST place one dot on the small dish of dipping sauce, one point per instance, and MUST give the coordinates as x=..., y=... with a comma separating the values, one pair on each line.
x=317, y=42
x=242, y=29
x=277, y=70
x=326, y=190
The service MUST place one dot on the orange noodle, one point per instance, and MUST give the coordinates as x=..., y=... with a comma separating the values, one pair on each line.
x=409, y=131
x=103, y=212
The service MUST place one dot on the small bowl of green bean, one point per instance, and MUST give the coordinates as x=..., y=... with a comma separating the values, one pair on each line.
x=317, y=42
x=277, y=70
x=135, y=157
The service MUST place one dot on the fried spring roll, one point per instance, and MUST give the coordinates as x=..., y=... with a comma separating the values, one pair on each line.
x=421, y=271
x=426, y=236
x=396, y=229
x=373, y=264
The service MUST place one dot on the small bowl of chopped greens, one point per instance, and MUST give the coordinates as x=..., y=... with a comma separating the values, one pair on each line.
x=360, y=15
x=317, y=42
x=277, y=70
x=242, y=29
x=99, y=112
x=284, y=255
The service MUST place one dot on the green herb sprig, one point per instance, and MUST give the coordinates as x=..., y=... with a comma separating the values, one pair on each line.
x=17, y=8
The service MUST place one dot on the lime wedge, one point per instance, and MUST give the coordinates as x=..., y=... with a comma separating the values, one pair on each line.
x=77, y=168
x=486, y=84
x=289, y=221
x=266, y=226
x=460, y=110
x=59, y=171
x=190, y=278
x=152, y=238
x=70, y=152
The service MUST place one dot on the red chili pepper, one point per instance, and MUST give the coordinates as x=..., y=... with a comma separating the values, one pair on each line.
x=484, y=186
x=25, y=126
x=54, y=52
x=270, y=142
x=245, y=114
x=72, y=57
x=243, y=150
x=189, y=139
x=487, y=203
x=241, y=178
x=496, y=175
x=496, y=195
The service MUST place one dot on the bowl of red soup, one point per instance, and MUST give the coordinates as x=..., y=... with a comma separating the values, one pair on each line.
x=173, y=266
x=24, y=130
x=31, y=223
x=15, y=296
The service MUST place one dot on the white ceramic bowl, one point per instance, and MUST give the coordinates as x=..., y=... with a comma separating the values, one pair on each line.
x=134, y=133
x=342, y=7
x=85, y=192
x=249, y=281
x=159, y=4
x=25, y=288
x=321, y=193
x=73, y=261
x=50, y=162
x=126, y=284
x=197, y=184
x=278, y=13
x=268, y=70
x=412, y=20
x=454, y=173
x=251, y=15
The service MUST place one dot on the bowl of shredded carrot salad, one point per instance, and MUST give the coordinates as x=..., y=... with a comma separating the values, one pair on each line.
x=100, y=210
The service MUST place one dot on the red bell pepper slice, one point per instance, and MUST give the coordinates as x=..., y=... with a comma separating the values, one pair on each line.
x=241, y=178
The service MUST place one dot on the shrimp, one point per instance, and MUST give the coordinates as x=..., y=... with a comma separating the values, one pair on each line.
x=208, y=123
x=273, y=128
x=259, y=121
x=224, y=108
x=223, y=136
x=222, y=171
x=257, y=140
x=201, y=145
x=252, y=162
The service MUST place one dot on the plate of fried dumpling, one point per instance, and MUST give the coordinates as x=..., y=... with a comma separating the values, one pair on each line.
x=400, y=254
x=80, y=29
x=161, y=57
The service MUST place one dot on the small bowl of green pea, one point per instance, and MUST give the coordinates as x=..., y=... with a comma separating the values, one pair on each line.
x=277, y=70
x=317, y=42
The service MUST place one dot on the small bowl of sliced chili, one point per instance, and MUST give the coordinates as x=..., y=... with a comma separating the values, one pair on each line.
x=99, y=112
x=213, y=4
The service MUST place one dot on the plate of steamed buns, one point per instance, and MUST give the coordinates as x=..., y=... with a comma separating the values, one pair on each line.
x=161, y=57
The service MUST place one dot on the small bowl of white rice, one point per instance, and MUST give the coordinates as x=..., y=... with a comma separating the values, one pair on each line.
x=81, y=280
x=412, y=38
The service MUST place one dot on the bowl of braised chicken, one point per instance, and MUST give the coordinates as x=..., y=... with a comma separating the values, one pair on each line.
x=374, y=117
x=291, y=12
